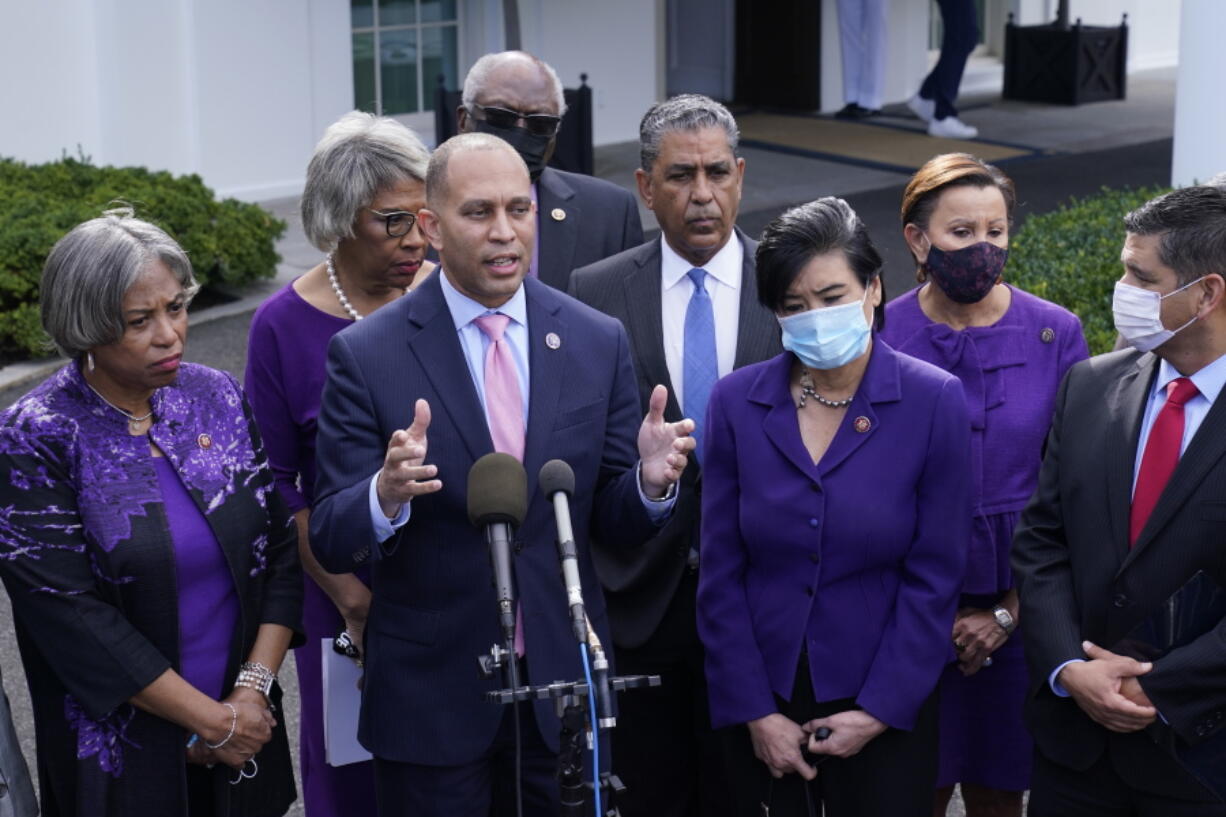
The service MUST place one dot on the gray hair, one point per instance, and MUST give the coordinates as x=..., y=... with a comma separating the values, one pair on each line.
x=688, y=112
x=359, y=155
x=1218, y=181
x=436, y=175
x=479, y=75
x=89, y=271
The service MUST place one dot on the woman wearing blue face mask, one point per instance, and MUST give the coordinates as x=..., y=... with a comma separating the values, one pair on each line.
x=836, y=514
x=1010, y=351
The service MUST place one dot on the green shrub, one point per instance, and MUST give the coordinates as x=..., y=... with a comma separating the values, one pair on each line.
x=1071, y=256
x=229, y=242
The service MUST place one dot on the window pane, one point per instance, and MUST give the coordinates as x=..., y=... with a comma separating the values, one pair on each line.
x=438, y=56
x=397, y=12
x=433, y=11
x=361, y=13
x=364, y=72
x=398, y=63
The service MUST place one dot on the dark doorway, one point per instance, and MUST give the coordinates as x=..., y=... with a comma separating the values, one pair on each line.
x=778, y=53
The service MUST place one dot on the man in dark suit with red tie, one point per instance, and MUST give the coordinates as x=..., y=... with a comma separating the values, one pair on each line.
x=1131, y=505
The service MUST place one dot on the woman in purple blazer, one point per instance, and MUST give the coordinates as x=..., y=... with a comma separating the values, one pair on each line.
x=836, y=499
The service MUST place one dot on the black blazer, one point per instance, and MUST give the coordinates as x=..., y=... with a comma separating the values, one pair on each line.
x=640, y=584
x=1079, y=579
x=581, y=220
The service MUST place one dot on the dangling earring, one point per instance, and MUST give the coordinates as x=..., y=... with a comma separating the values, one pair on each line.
x=89, y=361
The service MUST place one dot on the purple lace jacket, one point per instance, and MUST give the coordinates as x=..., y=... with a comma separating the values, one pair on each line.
x=88, y=560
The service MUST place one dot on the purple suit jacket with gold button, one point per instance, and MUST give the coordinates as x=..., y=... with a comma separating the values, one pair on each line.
x=859, y=557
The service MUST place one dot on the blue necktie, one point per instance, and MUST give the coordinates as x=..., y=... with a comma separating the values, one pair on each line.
x=701, y=366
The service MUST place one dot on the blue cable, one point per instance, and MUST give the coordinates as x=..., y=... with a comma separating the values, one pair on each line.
x=591, y=706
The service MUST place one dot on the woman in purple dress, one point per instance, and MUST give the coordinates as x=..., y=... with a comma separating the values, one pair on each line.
x=364, y=187
x=1010, y=350
x=149, y=560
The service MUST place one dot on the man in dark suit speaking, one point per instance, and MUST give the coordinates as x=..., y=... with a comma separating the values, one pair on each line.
x=690, y=303
x=477, y=359
x=1131, y=505
x=580, y=219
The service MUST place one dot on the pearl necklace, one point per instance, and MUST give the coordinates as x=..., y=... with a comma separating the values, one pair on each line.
x=134, y=422
x=340, y=293
x=807, y=391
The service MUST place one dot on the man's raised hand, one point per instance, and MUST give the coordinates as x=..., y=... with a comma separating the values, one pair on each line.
x=664, y=448
x=404, y=474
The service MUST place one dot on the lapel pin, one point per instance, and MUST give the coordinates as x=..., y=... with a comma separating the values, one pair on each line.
x=204, y=441
x=862, y=424
x=552, y=340
x=558, y=214
x=1047, y=335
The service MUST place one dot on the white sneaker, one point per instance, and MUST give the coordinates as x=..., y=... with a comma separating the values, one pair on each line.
x=925, y=109
x=951, y=127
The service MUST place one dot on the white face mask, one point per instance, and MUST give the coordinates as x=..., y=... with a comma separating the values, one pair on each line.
x=1138, y=316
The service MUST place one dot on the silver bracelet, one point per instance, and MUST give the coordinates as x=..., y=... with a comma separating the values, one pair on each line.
x=233, y=724
x=254, y=675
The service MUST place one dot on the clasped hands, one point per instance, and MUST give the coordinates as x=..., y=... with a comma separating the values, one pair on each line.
x=253, y=725
x=777, y=739
x=1106, y=688
x=664, y=449
x=976, y=636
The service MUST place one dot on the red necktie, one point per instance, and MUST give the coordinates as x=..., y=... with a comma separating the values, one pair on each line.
x=1161, y=455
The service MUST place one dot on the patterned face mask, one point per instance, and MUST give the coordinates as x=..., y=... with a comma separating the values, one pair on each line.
x=967, y=275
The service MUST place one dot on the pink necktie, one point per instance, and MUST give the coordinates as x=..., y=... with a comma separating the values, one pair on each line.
x=504, y=403
x=505, y=408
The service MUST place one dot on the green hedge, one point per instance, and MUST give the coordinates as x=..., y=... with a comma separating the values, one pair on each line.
x=1071, y=256
x=229, y=242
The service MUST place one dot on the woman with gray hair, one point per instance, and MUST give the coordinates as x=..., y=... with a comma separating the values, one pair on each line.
x=149, y=561
x=364, y=187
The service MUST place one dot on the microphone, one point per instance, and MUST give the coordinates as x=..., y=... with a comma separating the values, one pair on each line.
x=497, y=502
x=600, y=679
x=557, y=484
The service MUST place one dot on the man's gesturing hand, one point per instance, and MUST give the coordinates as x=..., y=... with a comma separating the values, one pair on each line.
x=1099, y=685
x=404, y=474
x=663, y=447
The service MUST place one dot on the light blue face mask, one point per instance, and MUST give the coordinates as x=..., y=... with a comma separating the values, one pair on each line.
x=829, y=337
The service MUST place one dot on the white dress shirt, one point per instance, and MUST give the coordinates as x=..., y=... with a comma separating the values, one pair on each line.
x=474, y=343
x=723, y=285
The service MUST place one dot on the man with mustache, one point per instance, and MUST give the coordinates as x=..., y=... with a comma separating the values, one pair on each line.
x=689, y=301
x=579, y=219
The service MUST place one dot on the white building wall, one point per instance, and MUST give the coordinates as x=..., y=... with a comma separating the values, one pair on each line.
x=1200, y=117
x=906, y=65
x=1153, y=25
x=49, y=97
x=614, y=43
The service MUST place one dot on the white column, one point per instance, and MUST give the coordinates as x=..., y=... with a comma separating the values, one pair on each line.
x=1200, y=116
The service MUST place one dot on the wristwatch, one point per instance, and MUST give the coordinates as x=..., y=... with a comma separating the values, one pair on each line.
x=1006, y=621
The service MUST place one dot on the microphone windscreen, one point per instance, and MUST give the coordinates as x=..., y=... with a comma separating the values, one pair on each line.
x=556, y=476
x=497, y=490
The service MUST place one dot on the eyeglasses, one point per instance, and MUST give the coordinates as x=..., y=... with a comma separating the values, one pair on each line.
x=540, y=124
x=397, y=222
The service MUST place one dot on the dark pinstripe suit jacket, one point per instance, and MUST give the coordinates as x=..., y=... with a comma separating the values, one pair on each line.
x=639, y=584
x=582, y=220
x=1079, y=580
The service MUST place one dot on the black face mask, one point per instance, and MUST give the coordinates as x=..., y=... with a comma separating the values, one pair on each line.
x=529, y=146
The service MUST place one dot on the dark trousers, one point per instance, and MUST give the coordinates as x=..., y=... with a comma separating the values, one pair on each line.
x=1100, y=791
x=476, y=789
x=892, y=776
x=663, y=746
x=961, y=24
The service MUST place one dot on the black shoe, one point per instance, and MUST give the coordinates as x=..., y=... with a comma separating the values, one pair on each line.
x=853, y=110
